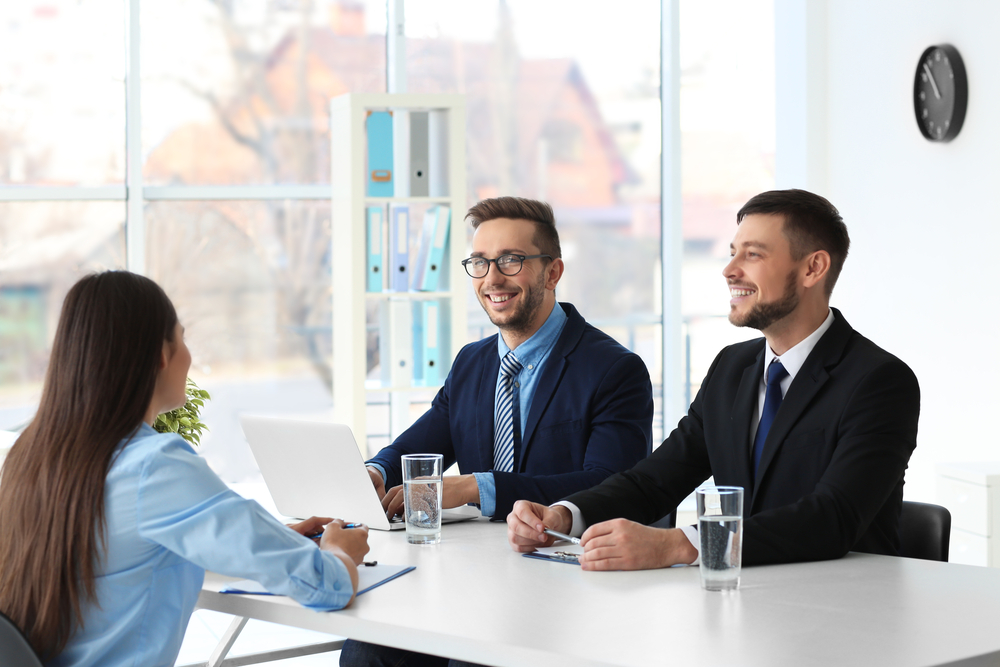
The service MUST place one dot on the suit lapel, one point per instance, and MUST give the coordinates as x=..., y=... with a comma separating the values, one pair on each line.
x=485, y=403
x=804, y=388
x=741, y=417
x=552, y=374
x=547, y=384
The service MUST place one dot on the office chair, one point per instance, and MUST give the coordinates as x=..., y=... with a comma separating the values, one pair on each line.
x=15, y=651
x=924, y=531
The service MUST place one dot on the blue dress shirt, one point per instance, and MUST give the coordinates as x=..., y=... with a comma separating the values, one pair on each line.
x=169, y=518
x=532, y=354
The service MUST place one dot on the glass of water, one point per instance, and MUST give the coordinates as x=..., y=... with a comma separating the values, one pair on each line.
x=720, y=529
x=422, y=485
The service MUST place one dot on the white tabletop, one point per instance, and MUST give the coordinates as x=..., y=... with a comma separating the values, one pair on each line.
x=474, y=599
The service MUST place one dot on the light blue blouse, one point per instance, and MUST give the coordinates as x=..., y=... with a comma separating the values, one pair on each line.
x=169, y=518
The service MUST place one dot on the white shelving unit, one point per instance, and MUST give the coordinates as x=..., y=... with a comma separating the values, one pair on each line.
x=350, y=298
x=971, y=492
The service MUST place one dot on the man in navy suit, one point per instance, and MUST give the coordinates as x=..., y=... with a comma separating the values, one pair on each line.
x=814, y=421
x=548, y=407
x=578, y=406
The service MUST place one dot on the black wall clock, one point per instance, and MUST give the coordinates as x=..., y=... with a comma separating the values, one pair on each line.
x=940, y=93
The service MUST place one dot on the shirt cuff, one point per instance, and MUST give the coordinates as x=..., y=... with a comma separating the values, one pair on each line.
x=578, y=524
x=691, y=532
x=487, y=493
x=380, y=469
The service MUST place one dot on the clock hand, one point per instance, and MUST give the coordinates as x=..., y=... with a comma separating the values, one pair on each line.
x=937, y=93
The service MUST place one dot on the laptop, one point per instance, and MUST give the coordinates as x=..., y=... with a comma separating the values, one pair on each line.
x=315, y=469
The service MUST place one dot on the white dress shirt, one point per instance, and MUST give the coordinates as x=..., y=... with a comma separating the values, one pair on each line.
x=793, y=360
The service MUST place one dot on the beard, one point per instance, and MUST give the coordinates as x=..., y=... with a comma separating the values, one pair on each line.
x=763, y=315
x=522, y=318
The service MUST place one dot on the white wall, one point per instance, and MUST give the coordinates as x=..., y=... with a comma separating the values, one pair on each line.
x=923, y=217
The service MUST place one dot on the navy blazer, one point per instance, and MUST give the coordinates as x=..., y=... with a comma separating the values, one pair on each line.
x=591, y=416
x=830, y=478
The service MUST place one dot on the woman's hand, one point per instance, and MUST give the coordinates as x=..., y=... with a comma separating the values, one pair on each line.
x=351, y=541
x=311, y=527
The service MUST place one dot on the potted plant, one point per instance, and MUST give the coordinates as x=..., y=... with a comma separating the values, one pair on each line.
x=185, y=421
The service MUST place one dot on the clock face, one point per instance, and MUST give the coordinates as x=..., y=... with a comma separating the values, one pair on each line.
x=940, y=93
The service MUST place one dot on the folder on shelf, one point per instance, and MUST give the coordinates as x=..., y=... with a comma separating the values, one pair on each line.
x=399, y=248
x=437, y=153
x=433, y=243
x=376, y=272
x=396, y=342
x=379, y=129
x=427, y=335
x=418, y=154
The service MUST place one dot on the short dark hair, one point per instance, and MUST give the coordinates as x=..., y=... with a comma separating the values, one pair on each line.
x=517, y=208
x=811, y=223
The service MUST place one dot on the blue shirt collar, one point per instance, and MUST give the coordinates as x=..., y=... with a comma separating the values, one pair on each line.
x=531, y=351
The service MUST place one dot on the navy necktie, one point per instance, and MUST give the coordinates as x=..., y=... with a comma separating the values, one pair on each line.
x=772, y=401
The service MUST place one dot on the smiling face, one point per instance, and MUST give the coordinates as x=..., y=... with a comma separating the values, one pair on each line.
x=763, y=277
x=518, y=304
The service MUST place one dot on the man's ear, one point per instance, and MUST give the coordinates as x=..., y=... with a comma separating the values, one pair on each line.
x=553, y=273
x=816, y=268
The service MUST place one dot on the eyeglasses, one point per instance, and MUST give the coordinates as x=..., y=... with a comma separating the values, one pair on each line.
x=509, y=265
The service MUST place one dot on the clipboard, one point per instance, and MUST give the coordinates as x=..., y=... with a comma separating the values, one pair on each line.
x=369, y=577
x=569, y=559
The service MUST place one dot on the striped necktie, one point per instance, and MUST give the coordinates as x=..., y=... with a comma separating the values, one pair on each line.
x=772, y=401
x=503, y=419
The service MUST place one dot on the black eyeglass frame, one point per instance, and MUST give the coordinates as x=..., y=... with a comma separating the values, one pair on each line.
x=466, y=262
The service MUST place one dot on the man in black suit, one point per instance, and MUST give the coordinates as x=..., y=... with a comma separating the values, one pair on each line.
x=820, y=442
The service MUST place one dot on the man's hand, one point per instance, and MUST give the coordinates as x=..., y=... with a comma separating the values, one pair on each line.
x=457, y=490
x=620, y=544
x=351, y=541
x=311, y=527
x=527, y=521
x=377, y=481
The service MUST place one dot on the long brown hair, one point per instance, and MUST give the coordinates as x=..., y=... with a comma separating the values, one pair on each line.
x=99, y=385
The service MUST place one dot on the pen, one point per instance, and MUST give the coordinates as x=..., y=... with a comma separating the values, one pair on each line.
x=346, y=525
x=574, y=540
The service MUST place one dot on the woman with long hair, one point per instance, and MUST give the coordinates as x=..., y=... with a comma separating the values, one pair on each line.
x=108, y=526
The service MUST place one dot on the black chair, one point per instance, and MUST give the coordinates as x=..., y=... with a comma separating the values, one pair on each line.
x=15, y=651
x=924, y=531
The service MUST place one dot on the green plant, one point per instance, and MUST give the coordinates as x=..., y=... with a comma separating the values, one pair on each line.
x=185, y=421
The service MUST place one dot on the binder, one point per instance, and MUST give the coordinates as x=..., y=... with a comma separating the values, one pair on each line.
x=433, y=246
x=428, y=361
x=376, y=273
x=418, y=154
x=399, y=247
x=437, y=153
x=379, y=129
x=396, y=342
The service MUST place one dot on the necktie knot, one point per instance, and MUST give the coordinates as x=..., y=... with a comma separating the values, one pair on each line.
x=775, y=372
x=509, y=366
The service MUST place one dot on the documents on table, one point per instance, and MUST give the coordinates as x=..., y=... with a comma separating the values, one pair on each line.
x=369, y=577
x=560, y=552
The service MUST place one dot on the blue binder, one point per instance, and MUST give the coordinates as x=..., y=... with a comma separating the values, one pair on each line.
x=433, y=247
x=376, y=273
x=399, y=248
x=380, y=174
x=428, y=344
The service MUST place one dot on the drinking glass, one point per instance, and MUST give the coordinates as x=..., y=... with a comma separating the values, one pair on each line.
x=422, y=486
x=720, y=529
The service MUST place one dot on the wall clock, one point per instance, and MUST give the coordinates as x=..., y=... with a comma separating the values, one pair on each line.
x=940, y=93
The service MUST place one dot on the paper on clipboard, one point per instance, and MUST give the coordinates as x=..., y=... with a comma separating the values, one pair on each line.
x=369, y=577
x=560, y=552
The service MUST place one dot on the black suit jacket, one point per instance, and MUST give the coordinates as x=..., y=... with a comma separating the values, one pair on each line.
x=591, y=416
x=830, y=478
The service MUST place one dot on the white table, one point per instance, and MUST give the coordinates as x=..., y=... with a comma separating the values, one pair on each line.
x=472, y=598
